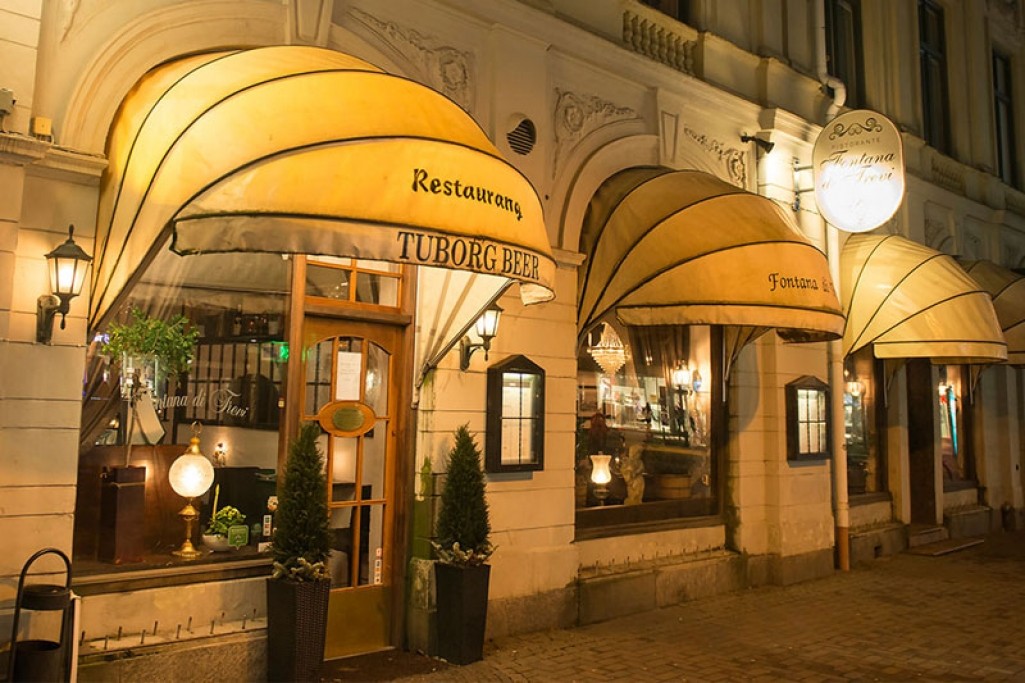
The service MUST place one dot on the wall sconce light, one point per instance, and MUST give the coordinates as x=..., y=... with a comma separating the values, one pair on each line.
x=601, y=475
x=67, y=265
x=762, y=144
x=683, y=378
x=220, y=454
x=487, y=329
x=190, y=476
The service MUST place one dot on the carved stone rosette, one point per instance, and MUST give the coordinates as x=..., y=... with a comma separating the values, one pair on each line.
x=577, y=115
x=446, y=69
x=733, y=161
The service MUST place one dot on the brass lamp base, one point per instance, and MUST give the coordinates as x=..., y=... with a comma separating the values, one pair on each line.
x=188, y=551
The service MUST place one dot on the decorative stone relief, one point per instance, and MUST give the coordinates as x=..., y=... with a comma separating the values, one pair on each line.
x=730, y=159
x=890, y=227
x=972, y=245
x=948, y=174
x=656, y=40
x=578, y=115
x=1012, y=256
x=446, y=69
x=937, y=236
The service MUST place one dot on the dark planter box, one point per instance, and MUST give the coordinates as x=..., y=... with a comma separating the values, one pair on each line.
x=296, y=627
x=462, y=611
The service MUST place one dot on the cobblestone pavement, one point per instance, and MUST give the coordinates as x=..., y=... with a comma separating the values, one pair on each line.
x=957, y=617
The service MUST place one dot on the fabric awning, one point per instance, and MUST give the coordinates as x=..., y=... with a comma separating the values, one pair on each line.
x=298, y=149
x=683, y=247
x=910, y=301
x=1007, y=289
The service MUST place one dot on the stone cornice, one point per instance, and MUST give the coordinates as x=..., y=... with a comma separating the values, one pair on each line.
x=20, y=150
x=44, y=157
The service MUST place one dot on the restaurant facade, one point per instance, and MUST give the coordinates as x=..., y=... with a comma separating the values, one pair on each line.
x=696, y=385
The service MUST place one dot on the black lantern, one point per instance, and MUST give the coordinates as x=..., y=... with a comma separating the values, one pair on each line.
x=487, y=328
x=67, y=265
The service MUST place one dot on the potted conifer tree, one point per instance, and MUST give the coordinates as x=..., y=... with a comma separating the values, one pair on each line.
x=298, y=591
x=463, y=548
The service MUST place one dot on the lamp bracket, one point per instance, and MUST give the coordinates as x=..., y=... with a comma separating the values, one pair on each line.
x=47, y=307
x=466, y=349
x=762, y=144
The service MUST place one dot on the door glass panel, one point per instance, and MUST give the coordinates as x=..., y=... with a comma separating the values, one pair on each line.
x=349, y=367
x=318, y=376
x=332, y=283
x=376, y=289
x=343, y=468
x=378, y=375
x=371, y=552
x=340, y=559
x=374, y=451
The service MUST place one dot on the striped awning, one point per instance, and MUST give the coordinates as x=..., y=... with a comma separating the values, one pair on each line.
x=684, y=247
x=910, y=301
x=1007, y=289
x=297, y=149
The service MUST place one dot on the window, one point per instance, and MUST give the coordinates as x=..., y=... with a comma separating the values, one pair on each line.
x=843, y=47
x=954, y=424
x=677, y=9
x=932, y=52
x=1003, y=109
x=807, y=401
x=648, y=397
x=516, y=416
x=863, y=415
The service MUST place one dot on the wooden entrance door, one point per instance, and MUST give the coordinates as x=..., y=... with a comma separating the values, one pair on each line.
x=921, y=442
x=352, y=381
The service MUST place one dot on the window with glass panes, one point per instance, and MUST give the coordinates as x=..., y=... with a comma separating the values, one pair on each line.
x=932, y=52
x=843, y=47
x=1003, y=110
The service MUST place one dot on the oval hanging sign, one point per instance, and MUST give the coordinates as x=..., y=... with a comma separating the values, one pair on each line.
x=858, y=161
x=346, y=418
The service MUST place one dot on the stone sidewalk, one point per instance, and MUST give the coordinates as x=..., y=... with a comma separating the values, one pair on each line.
x=957, y=617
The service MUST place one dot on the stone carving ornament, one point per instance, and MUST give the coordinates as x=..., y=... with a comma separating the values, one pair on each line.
x=577, y=115
x=731, y=159
x=446, y=69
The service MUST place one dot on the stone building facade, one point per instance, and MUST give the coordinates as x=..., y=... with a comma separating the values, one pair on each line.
x=576, y=96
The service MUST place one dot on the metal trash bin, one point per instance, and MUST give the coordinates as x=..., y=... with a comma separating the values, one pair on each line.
x=40, y=659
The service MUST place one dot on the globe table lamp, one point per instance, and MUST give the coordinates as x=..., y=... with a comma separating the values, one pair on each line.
x=190, y=475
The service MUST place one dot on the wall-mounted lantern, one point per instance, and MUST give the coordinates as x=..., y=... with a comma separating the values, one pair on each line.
x=67, y=265
x=487, y=329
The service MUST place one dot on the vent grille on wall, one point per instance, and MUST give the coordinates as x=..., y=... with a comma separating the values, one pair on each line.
x=523, y=137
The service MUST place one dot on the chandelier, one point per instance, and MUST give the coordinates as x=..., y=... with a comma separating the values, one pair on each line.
x=609, y=352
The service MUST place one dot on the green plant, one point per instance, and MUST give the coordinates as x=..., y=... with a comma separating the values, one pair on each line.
x=171, y=341
x=226, y=517
x=301, y=541
x=463, y=523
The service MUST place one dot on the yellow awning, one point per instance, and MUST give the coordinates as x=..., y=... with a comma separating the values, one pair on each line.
x=1007, y=289
x=683, y=247
x=298, y=149
x=910, y=301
